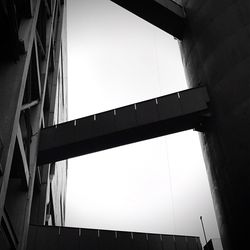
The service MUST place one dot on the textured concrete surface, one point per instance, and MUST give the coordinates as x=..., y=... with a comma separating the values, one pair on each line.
x=216, y=52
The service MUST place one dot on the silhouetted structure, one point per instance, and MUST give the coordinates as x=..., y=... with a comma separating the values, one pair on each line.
x=33, y=95
x=144, y=120
x=215, y=52
x=51, y=238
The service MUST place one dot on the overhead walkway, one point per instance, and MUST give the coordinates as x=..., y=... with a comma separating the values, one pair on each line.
x=60, y=238
x=160, y=116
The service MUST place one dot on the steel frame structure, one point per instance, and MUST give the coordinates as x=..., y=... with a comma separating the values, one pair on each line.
x=30, y=51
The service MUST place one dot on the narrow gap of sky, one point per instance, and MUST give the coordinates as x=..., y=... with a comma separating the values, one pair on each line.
x=160, y=185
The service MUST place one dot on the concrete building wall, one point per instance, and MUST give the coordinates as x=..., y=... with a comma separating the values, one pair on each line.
x=216, y=53
x=33, y=95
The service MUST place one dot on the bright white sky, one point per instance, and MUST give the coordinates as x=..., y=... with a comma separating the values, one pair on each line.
x=160, y=185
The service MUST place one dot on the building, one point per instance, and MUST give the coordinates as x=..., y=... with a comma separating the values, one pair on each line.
x=214, y=42
x=215, y=52
x=33, y=95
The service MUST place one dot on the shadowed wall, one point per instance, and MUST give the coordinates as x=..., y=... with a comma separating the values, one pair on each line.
x=215, y=52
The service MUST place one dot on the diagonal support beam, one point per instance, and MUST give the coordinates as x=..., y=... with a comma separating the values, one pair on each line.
x=145, y=120
x=165, y=14
x=20, y=168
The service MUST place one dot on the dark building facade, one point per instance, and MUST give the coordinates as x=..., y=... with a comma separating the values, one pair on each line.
x=215, y=52
x=33, y=95
x=214, y=41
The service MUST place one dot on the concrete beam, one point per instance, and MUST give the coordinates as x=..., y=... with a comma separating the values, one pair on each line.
x=145, y=120
x=165, y=14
